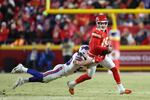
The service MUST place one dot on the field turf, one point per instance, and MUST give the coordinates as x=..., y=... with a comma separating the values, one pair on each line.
x=101, y=87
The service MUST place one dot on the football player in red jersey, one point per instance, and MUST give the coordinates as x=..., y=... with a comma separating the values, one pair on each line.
x=99, y=47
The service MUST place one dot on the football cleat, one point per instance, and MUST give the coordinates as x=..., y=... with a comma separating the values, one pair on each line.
x=19, y=82
x=71, y=88
x=127, y=91
x=18, y=68
x=71, y=91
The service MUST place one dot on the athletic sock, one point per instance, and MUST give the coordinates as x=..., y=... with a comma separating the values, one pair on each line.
x=116, y=75
x=82, y=78
x=35, y=79
x=120, y=87
x=35, y=73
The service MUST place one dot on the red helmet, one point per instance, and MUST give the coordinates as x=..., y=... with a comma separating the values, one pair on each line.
x=101, y=22
x=101, y=18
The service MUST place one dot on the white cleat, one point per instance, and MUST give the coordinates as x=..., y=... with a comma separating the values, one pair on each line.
x=19, y=82
x=18, y=68
x=71, y=87
x=126, y=91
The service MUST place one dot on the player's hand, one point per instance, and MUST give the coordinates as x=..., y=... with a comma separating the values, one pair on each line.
x=76, y=62
x=109, y=50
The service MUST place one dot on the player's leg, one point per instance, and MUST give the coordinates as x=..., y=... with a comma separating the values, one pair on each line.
x=37, y=76
x=90, y=72
x=19, y=82
x=22, y=81
x=50, y=75
x=108, y=63
x=57, y=72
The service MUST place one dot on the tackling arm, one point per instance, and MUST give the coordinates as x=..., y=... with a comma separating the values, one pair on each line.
x=84, y=63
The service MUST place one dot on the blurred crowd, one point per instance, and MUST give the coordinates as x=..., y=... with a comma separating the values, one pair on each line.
x=22, y=22
x=40, y=60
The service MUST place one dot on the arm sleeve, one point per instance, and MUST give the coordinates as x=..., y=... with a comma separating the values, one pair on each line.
x=83, y=63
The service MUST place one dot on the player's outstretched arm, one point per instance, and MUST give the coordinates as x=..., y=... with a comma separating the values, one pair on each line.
x=83, y=63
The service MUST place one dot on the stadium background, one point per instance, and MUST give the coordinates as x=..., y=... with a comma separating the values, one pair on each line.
x=28, y=27
x=24, y=28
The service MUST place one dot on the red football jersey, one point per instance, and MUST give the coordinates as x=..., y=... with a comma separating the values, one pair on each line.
x=98, y=42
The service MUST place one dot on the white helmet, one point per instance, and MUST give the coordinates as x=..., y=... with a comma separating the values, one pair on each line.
x=84, y=49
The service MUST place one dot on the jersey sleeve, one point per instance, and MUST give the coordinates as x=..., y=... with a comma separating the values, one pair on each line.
x=84, y=62
x=81, y=60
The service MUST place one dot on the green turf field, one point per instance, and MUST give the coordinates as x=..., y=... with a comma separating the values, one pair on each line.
x=101, y=87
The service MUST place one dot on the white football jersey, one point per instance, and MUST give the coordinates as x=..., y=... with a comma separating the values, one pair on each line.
x=67, y=68
x=70, y=67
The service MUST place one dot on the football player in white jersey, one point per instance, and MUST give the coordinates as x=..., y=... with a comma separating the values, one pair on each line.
x=59, y=70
